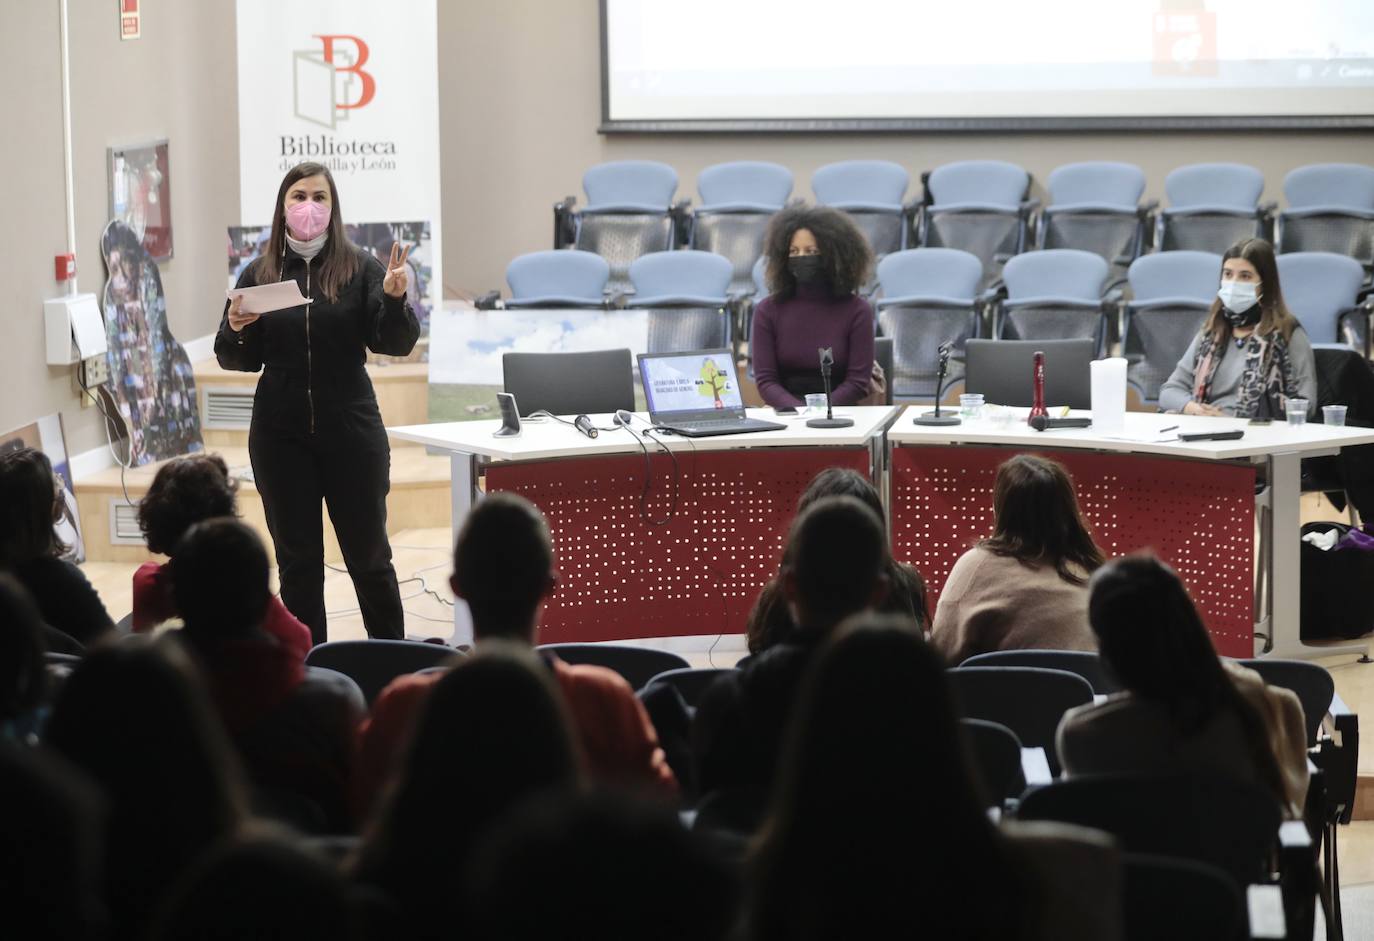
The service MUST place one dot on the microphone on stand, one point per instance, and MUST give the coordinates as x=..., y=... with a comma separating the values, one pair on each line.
x=827, y=355
x=935, y=417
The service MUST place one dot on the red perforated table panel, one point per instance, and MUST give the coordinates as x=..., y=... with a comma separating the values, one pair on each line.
x=697, y=573
x=1196, y=515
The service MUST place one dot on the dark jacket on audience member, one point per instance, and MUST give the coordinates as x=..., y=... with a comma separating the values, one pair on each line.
x=65, y=599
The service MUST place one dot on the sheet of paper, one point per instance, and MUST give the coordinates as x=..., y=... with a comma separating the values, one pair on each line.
x=266, y=298
x=1158, y=436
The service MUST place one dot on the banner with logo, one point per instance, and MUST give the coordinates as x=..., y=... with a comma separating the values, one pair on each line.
x=354, y=85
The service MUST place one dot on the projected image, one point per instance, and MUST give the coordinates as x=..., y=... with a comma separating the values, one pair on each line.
x=722, y=60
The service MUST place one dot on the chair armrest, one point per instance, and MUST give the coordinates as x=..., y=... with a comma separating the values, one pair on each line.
x=681, y=213
x=564, y=223
x=1298, y=878
x=1035, y=766
x=616, y=301
x=488, y=301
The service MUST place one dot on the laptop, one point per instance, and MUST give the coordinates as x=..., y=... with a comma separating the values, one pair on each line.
x=697, y=394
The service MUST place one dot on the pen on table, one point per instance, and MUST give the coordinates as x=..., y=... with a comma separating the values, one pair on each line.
x=1170, y=428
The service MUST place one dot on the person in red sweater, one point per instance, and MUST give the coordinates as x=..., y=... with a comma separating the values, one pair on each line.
x=184, y=492
x=503, y=567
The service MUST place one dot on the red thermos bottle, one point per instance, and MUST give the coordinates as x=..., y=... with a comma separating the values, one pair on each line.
x=1038, y=379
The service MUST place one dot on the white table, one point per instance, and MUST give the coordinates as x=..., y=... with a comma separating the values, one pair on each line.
x=472, y=448
x=1278, y=449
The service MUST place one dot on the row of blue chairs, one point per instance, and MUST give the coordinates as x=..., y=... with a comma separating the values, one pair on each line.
x=980, y=206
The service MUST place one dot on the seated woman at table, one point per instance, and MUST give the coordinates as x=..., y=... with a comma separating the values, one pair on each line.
x=1184, y=708
x=817, y=261
x=1251, y=355
x=1026, y=586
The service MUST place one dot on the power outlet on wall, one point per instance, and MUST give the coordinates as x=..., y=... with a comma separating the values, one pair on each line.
x=92, y=373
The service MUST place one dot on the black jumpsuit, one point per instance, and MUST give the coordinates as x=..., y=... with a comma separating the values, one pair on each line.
x=317, y=433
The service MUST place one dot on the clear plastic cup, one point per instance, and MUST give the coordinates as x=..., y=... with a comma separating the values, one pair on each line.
x=971, y=404
x=1297, y=411
x=1334, y=415
x=815, y=403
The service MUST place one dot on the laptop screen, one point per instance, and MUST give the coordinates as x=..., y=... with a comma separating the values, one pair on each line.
x=681, y=383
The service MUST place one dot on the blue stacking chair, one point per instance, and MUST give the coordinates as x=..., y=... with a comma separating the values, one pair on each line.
x=1171, y=295
x=637, y=665
x=1330, y=209
x=1322, y=289
x=629, y=212
x=558, y=279
x=1211, y=207
x=871, y=192
x=685, y=295
x=690, y=683
x=1028, y=700
x=1055, y=294
x=372, y=664
x=979, y=206
x=1086, y=663
x=1095, y=206
x=738, y=200
x=929, y=298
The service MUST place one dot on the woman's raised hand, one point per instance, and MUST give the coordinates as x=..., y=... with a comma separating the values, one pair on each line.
x=396, y=275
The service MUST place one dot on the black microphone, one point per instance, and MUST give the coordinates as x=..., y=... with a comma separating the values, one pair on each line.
x=1045, y=423
x=935, y=418
x=827, y=355
x=584, y=425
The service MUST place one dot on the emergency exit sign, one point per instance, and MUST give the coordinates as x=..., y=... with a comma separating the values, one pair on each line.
x=130, y=20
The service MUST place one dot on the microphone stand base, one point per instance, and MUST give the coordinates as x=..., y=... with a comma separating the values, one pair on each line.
x=930, y=418
x=830, y=423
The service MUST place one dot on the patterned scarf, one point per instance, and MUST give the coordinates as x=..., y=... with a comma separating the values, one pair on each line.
x=1267, y=378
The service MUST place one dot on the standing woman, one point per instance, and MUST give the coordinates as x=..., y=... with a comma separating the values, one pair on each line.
x=316, y=430
x=817, y=260
x=1252, y=356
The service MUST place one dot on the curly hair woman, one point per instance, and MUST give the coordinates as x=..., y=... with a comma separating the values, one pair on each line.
x=817, y=260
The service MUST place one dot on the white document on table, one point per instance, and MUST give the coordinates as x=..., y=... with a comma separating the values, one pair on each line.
x=266, y=298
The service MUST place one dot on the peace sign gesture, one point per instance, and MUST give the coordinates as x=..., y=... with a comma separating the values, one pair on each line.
x=396, y=275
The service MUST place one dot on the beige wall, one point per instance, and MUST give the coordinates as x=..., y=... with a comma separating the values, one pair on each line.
x=177, y=82
x=520, y=100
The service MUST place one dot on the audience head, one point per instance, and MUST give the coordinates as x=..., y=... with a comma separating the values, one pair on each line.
x=220, y=579
x=841, y=794
x=842, y=482
x=835, y=562
x=185, y=491
x=30, y=503
x=245, y=888
x=503, y=566
x=1038, y=519
x=492, y=731
x=604, y=866
x=799, y=231
x=23, y=674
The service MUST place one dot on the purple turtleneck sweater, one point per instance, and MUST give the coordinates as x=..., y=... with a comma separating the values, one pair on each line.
x=786, y=335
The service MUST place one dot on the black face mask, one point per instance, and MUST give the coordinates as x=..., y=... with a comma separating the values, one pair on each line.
x=805, y=268
x=1246, y=318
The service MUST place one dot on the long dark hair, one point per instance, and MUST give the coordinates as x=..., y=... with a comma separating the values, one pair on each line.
x=1038, y=519
x=843, y=806
x=1152, y=638
x=30, y=503
x=1274, y=313
x=338, y=260
x=845, y=255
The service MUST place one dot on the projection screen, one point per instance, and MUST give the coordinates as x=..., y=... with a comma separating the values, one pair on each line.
x=744, y=65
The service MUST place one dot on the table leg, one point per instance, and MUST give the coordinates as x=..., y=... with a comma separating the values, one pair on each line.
x=463, y=476
x=1285, y=573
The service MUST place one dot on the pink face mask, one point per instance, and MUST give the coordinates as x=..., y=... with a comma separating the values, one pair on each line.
x=307, y=220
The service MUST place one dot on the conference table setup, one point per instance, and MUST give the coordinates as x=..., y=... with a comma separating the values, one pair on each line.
x=684, y=549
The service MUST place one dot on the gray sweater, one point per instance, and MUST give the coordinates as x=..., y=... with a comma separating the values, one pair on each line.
x=1178, y=391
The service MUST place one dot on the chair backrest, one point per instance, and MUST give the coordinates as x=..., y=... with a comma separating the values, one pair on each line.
x=678, y=276
x=996, y=754
x=1233, y=185
x=990, y=182
x=1001, y=370
x=1310, y=682
x=635, y=185
x=570, y=383
x=760, y=277
x=1217, y=820
x=884, y=354
x=372, y=664
x=638, y=665
x=1097, y=182
x=930, y=272
x=1056, y=272
x=1318, y=287
x=1028, y=700
x=1182, y=274
x=1085, y=663
x=1330, y=184
x=753, y=185
x=691, y=683
x=1178, y=899
x=563, y=276
x=868, y=184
